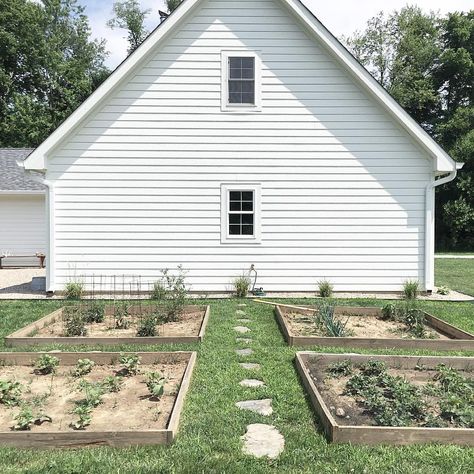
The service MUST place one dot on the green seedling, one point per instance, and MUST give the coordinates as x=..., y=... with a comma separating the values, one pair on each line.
x=46, y=364
x=130, y=363
x=83, y=367
x=25, y=419
x=155, y=382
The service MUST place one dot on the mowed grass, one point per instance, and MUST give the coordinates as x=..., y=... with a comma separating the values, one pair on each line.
x=455, y=273
x=211, y=425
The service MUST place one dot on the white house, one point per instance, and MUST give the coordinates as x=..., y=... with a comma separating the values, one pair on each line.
x=22, y=211
x=243, y=133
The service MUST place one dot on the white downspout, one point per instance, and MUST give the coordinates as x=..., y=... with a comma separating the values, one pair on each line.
x=49, y=208
x=430, y=225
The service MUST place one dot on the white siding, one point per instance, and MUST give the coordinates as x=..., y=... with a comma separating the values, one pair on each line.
x=138, y=185
x=22, y=227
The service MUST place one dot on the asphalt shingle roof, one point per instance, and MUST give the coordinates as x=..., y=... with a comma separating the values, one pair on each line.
x=12, y=177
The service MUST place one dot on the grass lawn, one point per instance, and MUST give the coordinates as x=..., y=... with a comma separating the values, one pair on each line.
x=211, y=425
x=456, y=274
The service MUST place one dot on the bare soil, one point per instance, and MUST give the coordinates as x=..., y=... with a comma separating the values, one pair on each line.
x=357, y=326
x=129, y=409
x=332, y=391
x=188, y=324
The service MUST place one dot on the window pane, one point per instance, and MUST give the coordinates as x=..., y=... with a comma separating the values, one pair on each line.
x=234, y=229
x=247, y=230
x=234, y=218
x=247, y=206
x=235, y=62
x=247, y=86
x=235, y=196
x=247, y=218
x=235, y=98
x=235, y=73
x=236, y=206
x=238, y=86
x=248, y=63
x=247, y=195
x=247, y=98
x=247, y=74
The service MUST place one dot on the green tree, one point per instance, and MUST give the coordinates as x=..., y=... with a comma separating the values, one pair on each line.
x=48, y=67
x=130, y=17
x=172, y=5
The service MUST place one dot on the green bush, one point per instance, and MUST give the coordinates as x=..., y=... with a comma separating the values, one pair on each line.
x=241, y=286
x=147, y=326
x=93, y=312
x=74, y=290
x=73, y=319
x=411, y=289
x=159, y=291
x=325, y=289
x=176, y=294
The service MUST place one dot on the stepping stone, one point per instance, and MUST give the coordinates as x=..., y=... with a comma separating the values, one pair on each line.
x=244, y=320
x=241, y=329
x=244, y=352
x=239, y=312
x=251, y=383
x=241, y=305
x=243, y=340
x=250, y=366
x=262, y=407
x=263, y=441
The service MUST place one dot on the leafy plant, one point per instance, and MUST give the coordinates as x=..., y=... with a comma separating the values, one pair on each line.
x=84, y=412
x=330, y=324
x=443, y=290
x=415, y=322
x=411, y=289
x=147, y=326
x=10, y=392
x=121, y=315
x=130, y=363
x=25, y=419
x=93, y=313
x=83, y=367
x=46, y=364
x=159, y=291
x=155, y=382
x=325, y=288
x=340, y=369
x=176, y=293
x=74, y=321
x=241, y=286
x=74, y=290
x=373, y=367
x=93, y=392
x=112, y=383
x=389, y=312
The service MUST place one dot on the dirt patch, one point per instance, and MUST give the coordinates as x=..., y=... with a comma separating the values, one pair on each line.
x=129, y=409
x=357, y=326
x=188, y=324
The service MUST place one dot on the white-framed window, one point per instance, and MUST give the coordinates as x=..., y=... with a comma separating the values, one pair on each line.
x=240, y=213
x=241, y=81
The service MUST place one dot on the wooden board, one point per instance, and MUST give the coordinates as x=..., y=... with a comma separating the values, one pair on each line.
x=22, y=338
x=459, y=340
x=374, y=435
x=74, y=439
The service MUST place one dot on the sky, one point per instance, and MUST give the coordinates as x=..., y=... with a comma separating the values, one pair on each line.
x=342, y=17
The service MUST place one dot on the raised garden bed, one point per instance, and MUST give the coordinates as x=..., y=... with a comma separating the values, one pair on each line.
x=368, y=330
x=189, y=327
x=379, y=416
x=125, y=414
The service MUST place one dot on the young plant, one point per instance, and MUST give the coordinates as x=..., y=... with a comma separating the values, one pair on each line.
x=147, y=326
x=176, y=293
x=83, y=367
x=84, y=412
x=93, y=392
x=130, y=363
x=74, y=290
x=411, y=289
x=112, y=383
x=156, y=384
x=121, y=315
x=443, y=290
x=10, y=392
x=159, y=291
x=46, y=364
x=389, y=312
x=93, y=313
x=415, y=322
x=25, y=419
x=340, y=369
x=329, y=324
x=325, y=289
x=241, y=286
x=73, y=321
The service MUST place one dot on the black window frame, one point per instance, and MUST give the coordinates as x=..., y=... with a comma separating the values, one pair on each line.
x=240, y=81
x=241, y=218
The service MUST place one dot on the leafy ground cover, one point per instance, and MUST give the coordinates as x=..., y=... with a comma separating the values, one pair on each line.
x=455, y=273
x=211, y=426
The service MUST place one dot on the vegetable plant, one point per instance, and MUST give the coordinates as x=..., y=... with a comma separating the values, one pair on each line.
x=83, y=367
x=130, y=363
x=25, y=419
x=340, y=369
x=389, y=312
x=176, y=293
x=147, y=326
x=73, y=321
x=112, y=383
x=158, y=291
x=155, y=382
x=10, y=392
x=121, y=315
x=325, y=288
x=330, y=324
x=84, y=412
x=241, y=286
x=46, y=364
x=93, y=312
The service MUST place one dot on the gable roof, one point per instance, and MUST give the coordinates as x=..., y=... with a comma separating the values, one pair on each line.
x=443, y=163
x=12, y=177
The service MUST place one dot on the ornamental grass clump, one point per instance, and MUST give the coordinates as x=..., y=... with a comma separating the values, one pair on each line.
x=325, y=288
x=241, y=286
x=411, y=289
x=74, y=290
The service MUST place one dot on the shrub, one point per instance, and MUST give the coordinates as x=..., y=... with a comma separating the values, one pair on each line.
x=159, y=291
x=325, y=289
x=46, y=364
x=74, y=324
x=176, y=293
x=241, y=286
x=93, y=312
x=74, y=290
x=411, y=289
x=147, y=326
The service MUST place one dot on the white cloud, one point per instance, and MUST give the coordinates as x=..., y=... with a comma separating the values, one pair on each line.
x=342, y=17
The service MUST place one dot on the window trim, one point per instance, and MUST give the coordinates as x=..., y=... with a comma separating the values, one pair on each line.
x=225, y=105
x=226, y=238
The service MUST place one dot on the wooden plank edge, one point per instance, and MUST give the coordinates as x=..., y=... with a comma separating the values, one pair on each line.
x=205, y=320
x=22, y=332
x=282, y=323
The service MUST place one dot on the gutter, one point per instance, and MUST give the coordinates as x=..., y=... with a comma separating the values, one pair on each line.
x=430, y=223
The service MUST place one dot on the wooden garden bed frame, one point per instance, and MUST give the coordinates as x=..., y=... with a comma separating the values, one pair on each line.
x=460, y=340
x=22, y=338
x=119, y=438
x=373, y=435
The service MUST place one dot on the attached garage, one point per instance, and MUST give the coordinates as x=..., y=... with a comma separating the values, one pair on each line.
x=22, y=211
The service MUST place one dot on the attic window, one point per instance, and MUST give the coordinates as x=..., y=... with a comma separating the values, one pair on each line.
x=240, y=81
